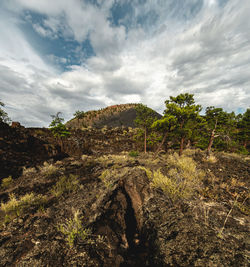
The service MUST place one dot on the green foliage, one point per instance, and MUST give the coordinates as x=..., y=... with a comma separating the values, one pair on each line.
x=79, y=114
x=183, y=112
x=6, y=182
x=144, y=116
x=144, y=119
x=57, y=127
x=3, y=115
x=244, y=128
x=133, y=154
x=65, y=184
x=74, y=230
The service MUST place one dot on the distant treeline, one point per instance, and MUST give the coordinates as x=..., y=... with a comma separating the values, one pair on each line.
x=183, y=126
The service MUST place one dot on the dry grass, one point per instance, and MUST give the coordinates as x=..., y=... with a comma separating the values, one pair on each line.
x=211, y=159
x=65, y=184
x=15, y=207
x=6, y=182
x=27, y=171
x=106, y=178
x=107, y=160
x=49, y=170
x=183, y=178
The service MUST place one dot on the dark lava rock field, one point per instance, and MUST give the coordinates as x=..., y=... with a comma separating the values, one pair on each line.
x=86, y=202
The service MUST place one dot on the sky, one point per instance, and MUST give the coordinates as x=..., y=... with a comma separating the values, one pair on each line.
x=68, y=55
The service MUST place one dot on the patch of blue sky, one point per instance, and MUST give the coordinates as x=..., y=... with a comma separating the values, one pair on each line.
x=222, y=3
x=148, y=19
x=60, y=51
x=122, y=13
x=240, y=111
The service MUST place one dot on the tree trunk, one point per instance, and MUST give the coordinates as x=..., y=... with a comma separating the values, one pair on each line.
x=145, y=141
x=161, y=144
x=211, y=140
x=181, y=146
x=245, y=144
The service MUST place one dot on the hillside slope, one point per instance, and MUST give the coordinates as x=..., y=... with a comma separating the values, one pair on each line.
x=112, y=116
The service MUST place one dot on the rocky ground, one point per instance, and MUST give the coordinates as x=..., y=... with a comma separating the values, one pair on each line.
x=102, y=209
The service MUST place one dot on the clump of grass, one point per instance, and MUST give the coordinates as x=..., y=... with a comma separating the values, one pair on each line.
x=84, y=157
x=15, y=207
x=6, y=182
x=169, y=186
x=133, y=154
x=74, y=230
x=112, y=159
x=211, y=159
x=184, y=168
x=49, y=170
x=148, y=172
x=65, y=184
x=182, y=179
x=106, y=178
x=28, y=170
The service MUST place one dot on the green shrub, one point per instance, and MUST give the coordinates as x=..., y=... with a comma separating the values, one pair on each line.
x=65, y=184
x=73, y=230
x=133, y=153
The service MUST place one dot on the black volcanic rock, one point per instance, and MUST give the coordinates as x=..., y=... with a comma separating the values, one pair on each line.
x=18, y=149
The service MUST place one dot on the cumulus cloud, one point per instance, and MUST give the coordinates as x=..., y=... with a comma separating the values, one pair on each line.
x=152, y=50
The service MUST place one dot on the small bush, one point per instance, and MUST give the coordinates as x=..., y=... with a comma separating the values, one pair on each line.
x=169, y=186
x=65, y=184
x=6, y=182
x=49, y=170
x=133, y=153
x=73, y=230
x=14, y=207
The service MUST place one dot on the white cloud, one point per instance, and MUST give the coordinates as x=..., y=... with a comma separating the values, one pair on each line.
x=206, y=54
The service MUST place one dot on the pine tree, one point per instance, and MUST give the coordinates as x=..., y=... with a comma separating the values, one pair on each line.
x=144, y=118
x=184, y=110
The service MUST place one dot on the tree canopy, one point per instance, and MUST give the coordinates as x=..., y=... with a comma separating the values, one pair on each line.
x=57, y=127
x=3, y=115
